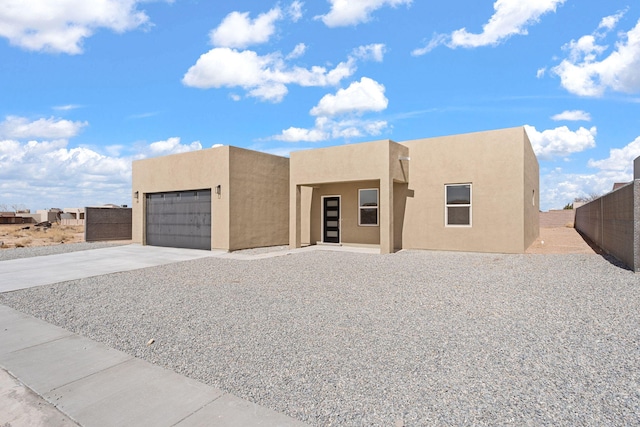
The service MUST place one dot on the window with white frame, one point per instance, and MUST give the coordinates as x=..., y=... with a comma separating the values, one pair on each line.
x=458, y=205
x=368, y=206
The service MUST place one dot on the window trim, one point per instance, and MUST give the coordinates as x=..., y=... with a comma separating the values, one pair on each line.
x=377, y=208
x=447, y=206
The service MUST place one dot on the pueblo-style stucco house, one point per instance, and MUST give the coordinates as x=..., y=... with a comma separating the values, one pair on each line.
x=219, y=198
x=473, y=192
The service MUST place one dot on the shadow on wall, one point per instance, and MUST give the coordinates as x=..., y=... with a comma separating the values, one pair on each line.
x=598, y=250
x=612, y=222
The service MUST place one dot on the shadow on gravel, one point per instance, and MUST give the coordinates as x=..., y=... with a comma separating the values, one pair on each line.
x=607, y=256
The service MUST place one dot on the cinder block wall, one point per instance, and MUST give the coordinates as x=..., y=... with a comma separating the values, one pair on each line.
x=556, y=219
x=609, y=222
x=107, y=224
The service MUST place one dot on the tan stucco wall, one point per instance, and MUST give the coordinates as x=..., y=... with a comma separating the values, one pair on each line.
x=269, y=200
x=531, y=194
x=351, y=232
x=197, y=170
x=252, y=209
x=493, y=162
x=259, y=199
x=373, y=161
x=353, y=162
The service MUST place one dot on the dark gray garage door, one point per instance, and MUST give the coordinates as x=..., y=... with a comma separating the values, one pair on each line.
x=179, y=219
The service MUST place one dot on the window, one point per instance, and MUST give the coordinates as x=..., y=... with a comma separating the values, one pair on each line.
x=458, y=205
x=368, y=207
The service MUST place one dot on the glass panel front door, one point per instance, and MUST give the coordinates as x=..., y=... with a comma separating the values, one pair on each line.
x=331, y=219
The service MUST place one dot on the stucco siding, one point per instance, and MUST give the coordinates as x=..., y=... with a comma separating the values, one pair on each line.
x=531, y=194
x=354, y=162
x=351, y=232
x=378, y=161
x=196, y=170
x=493, y=163
x=259, y=199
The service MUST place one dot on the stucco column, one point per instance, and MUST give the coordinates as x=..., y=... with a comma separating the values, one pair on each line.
x=386, y=216
x=295, y=226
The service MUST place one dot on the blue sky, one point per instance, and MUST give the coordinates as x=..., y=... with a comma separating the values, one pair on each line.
x=87, y=87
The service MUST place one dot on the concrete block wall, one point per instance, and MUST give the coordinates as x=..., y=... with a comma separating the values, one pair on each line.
x=67, y=221
x=611, y=222
x=555, y=219
x=107, y=224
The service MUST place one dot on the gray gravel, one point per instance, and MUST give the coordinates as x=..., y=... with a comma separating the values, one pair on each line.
x=30, y=252
x=415, y=338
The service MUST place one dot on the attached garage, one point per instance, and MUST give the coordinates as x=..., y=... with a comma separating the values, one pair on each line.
x=222, y=198
x=179, y=219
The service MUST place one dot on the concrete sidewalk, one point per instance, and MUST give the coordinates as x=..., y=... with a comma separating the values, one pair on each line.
x=89, y=382
x=98, y=386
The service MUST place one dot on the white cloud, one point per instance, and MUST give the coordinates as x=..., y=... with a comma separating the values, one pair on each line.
x=345, y=12
x=348, y=105
x=43, y=174
x=67, y=107
x=297, y=51
x=511, y=17
x=620, y=159
x=540, y=73
x=583, y=73
x=610, y=22
x=265, y=77
x=295, y=10
x=62, y=26
x=359, y=97
x=21, y=128
x=327, y=128
x=294, y=134
x=239, y=31
x=560, y=142
x=39, y=168
x=572, y=115
x=373, y=52
x=436, y=40
x=558, y=188
x=170, y=146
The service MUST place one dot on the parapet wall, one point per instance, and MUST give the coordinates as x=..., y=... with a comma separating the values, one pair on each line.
x=107, y=224
x=611, y=222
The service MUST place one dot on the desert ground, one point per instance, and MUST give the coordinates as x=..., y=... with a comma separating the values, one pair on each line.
x=560, y=240
x=28, y=235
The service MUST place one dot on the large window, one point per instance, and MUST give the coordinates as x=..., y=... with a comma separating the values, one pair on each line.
x=368, y=206
x=458, y=205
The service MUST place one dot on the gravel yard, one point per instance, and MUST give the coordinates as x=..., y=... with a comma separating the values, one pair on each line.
x=414, y=338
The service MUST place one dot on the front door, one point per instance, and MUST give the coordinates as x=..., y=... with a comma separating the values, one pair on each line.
x=331, y=225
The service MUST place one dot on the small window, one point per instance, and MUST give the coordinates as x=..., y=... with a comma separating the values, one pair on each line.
x=368, y=207
x=458, y=205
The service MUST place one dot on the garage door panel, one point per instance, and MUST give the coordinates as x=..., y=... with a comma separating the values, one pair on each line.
x=179, y=219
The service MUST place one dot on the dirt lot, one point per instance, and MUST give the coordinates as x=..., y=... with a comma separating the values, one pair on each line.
x=27, y=235
x=562, y=240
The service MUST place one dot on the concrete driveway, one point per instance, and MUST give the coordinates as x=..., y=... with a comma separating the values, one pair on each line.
x=45, y=270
